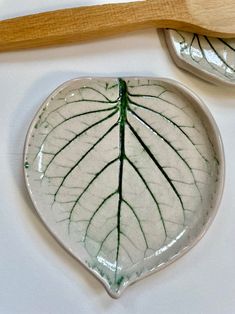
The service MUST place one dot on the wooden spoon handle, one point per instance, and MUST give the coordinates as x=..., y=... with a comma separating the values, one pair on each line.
x=92, y=22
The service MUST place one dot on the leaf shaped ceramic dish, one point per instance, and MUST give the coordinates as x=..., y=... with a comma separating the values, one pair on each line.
x=126, y=173
x=212, y=59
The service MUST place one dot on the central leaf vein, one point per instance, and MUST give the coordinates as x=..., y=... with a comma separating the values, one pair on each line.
x=122, y=123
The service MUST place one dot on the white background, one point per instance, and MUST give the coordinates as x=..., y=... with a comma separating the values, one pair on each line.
x=36, y=274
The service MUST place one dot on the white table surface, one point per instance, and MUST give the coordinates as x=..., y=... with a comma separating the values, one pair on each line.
x=36, y=274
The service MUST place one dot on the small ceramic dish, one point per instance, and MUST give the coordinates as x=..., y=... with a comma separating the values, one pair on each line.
x=127, y=174
x=212, y=59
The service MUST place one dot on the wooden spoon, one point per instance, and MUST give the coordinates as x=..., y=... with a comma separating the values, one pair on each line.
x=209, y=17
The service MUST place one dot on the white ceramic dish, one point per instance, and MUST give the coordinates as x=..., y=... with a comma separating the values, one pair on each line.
x=127, y=174
x=212, y=59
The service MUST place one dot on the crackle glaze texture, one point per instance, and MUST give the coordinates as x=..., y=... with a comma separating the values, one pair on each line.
x=126, y=173
x=212, y=59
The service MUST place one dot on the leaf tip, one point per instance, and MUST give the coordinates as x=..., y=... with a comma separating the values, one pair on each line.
x=116, y=289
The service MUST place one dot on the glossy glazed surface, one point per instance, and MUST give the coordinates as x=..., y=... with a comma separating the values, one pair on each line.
x=212, y=59
x=126, y=173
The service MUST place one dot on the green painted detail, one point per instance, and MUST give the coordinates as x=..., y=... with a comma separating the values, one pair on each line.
x=26, y=165
x=120, y=280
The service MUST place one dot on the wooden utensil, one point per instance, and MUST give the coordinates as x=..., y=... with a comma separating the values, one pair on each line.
x=209, y=17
